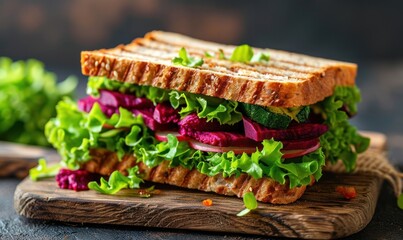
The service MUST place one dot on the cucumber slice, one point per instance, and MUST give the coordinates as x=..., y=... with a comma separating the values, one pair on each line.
x=266, y=118
x=271, y=119
x=303, y=114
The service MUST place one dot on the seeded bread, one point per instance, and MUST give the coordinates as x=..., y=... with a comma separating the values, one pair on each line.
x=104, y=162
x=286, y=80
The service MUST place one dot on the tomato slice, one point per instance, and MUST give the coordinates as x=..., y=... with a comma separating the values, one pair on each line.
x=162, y=136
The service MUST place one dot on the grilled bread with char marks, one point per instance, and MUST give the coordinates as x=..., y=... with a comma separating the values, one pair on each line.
x=104, y=162
x=286, y=80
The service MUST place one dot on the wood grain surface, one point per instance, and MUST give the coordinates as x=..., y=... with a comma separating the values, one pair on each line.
x=17, y=159
x=321, y=213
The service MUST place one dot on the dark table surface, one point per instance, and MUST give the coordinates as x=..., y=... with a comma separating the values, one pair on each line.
x=381, y=110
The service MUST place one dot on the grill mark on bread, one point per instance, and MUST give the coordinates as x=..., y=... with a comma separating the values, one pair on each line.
x=186, y=179
x=285, y=69
x=204, y=184
x=183, y=83
x=150, y=176
x=221, y=85
x=137, y=73
x=155, y=78
x=97, y=65
x=243, y=186
x=111, y=70
x=265, y=189
x=166, y=44
x=224, y=66
x=128, y=69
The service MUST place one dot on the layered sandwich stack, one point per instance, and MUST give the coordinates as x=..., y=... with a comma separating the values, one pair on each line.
x=171, y=109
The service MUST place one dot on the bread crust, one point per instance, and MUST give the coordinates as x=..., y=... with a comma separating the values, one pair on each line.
x=287, y=80
x=267, y=190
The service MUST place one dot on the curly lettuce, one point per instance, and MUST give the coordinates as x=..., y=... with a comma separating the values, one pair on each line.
x=117, y=181
x=224, y=111
x=28, y=97
x=43, y=170
x=74, y=133
x=156, y=95
x=342, y=141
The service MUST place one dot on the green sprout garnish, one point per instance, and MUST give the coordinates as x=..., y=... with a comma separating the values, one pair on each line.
x=250, y=204
x=185, y=60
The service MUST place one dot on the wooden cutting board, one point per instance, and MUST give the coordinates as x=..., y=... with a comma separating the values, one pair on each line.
x=321, y=213
x=17, y=159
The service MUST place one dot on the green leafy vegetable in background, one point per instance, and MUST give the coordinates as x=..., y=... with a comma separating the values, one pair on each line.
x=28, y=96
x=250, y=203
x=42, y=170
x=185, y=60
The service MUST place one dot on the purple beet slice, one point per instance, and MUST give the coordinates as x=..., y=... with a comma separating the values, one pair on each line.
x=165, y=113
x=151, y=123
x=193, y=123
x=86, y=104
x=299, y=131
x=299, y=144
x=75, y=179
x=222, y=139
x=117, y=99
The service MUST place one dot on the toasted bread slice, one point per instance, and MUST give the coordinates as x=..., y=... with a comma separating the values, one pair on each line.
x=286, y=80
x=265, y=189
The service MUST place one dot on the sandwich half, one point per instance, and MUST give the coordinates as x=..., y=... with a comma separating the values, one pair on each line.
x=171, y=109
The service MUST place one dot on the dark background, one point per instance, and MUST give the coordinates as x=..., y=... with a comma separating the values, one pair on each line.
x=369, y=33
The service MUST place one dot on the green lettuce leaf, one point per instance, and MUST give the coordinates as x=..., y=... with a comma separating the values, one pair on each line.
x=117, y=181
x=156, y=95
x=73, y=133
x=185, y=60
x=342, y=141
x=224, y=111
x=43, y=170
x=266, y=163
x=244, y=54
x=28, y=96
x=250, y=203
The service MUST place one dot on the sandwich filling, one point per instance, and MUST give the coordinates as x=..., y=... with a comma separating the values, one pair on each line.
x=212, y=135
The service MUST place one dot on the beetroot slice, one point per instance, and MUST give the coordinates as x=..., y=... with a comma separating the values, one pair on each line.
x=117, y=99
x=150, y=122
x=193, y=122
x=299, y=131
x=86, y=104
x=299, y=144
x=165, y=113
x=75, y=179
x=222, y=139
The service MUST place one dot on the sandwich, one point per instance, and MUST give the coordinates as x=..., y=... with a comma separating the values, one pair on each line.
x=171, y=109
